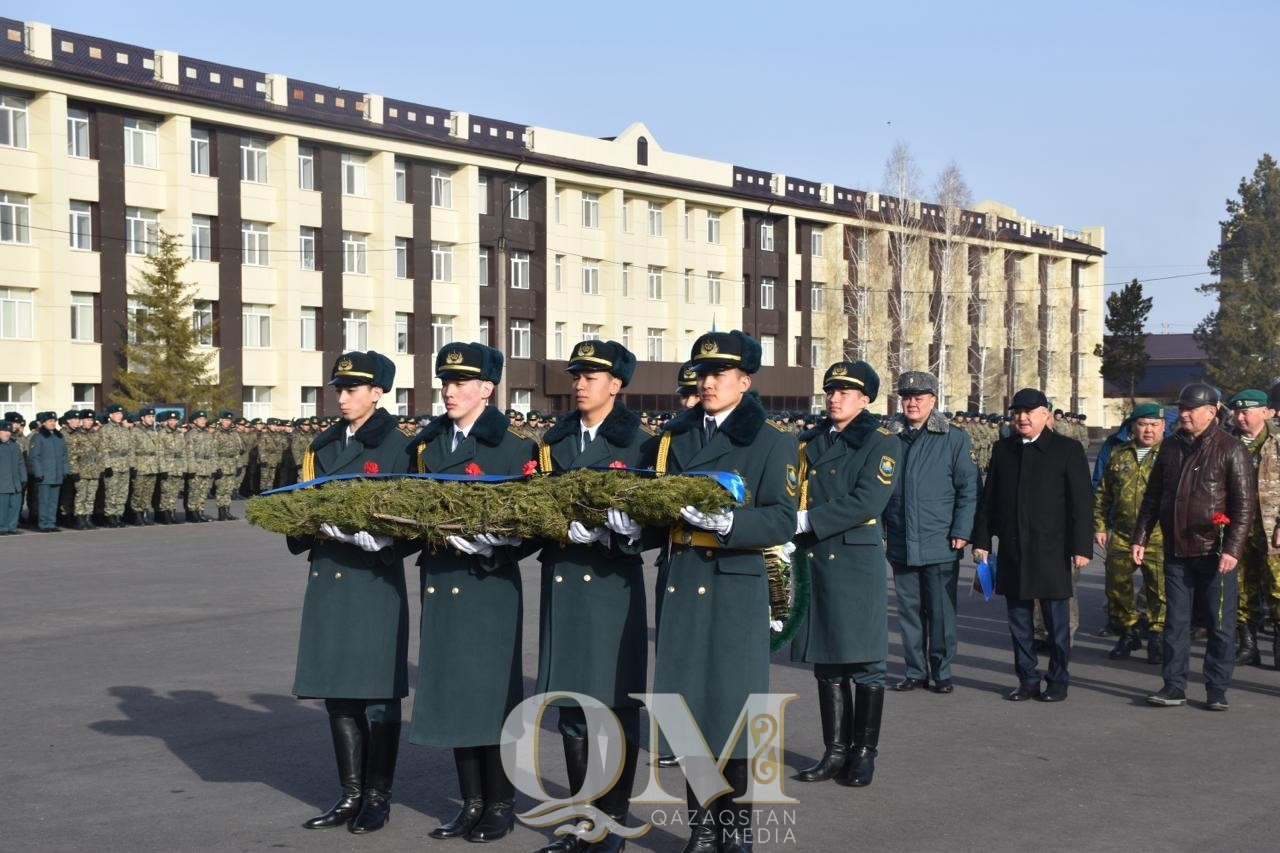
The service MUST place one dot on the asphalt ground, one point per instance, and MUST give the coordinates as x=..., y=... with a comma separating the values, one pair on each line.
x=146, y=707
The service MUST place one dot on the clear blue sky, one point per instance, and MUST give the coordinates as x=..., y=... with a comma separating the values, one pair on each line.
x=1141, y=117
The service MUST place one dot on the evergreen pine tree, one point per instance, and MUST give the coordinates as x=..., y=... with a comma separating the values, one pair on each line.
x=1124, y=348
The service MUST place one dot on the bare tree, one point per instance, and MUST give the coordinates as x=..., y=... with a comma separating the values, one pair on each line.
x=906, y=257
x=948, y=258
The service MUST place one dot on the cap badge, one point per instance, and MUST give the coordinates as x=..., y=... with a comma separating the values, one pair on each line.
x=839, y=370
x=586, y=350
x=453, y=356
x=344, y=364
x=709, y=347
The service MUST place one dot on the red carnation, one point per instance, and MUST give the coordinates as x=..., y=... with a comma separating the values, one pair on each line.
x=530, y=468
x=371, y=468
x=1221, y=519
x=472, y=470
x=617, y=463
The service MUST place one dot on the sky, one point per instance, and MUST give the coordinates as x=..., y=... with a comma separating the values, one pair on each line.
x=1140, y=117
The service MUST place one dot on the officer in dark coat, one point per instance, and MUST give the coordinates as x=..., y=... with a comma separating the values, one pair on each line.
x=593, y=636
x=713, y=641
x=49, y=465
x=847, y=470
x=13, y=479
x=1037, y=503
x=469, y=676
x=353, y=647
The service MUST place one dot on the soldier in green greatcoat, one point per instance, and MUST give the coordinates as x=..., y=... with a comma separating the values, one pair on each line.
x=47, y=464
x=593, y=631
x=117, y=460
x=227, y=450
x=713, y=637
x=18, y=422
x=147, y=453
x=13, y=479
x=472, y=600
x=353, y=642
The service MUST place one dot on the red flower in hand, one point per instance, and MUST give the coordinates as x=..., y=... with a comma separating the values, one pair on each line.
x=371, y=467
x=530, y=468
x=472, y=470
x=1221, y=519
x=617, y=463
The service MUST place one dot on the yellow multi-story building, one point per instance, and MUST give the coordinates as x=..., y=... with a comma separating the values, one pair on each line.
x=320, y=220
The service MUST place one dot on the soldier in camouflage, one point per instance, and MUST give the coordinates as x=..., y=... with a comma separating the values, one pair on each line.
x=201, y=465
x=300, y=440
x=1259, y=568
x=147, y=454
x=271, y=446
x=173, y=468
x=228, y=450
x=117, y=459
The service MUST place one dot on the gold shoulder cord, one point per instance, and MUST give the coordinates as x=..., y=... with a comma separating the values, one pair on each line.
x=664, y=448
x=804, y=478
x=308, y=464
x=422, y=466
x=544, y=457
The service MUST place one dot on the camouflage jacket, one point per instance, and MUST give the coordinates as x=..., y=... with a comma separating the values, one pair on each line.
x=201, y=460
x=271, y=447
x=173, y=452
x=1265, y=452
x=147, y=449
x=228, y=450
x=84, y=452
x=117, y=447
x=1119, y=495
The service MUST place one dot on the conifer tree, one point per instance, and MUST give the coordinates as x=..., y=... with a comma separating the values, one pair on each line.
x=1124, y=348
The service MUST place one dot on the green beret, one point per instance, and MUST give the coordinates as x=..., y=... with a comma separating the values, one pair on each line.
x=1250, y=398
x=1147, y=410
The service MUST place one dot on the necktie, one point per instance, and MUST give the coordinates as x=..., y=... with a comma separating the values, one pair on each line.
x=710, y=428
x=586, y=439
x=457, y=439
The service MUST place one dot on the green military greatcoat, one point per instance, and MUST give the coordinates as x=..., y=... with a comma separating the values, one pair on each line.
x=848, y=482
x=354, y=638
x=713, y=639
x=592, y=631
x=470, y=641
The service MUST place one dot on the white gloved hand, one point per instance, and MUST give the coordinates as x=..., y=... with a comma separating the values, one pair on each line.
x=718, y=522
x=623, y=525
x=473, y=547
x=496, y=540
x=367, y=541
x=802, y=522
x=332, y=531
x=580, y=534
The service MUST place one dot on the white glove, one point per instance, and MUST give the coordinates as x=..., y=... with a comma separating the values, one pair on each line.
x=370, y=542
x=580, y=534
x=623, y=525
x=475, y=547
x=718, y=522
x=495, y=540
x=332, y=531
x=802, y=522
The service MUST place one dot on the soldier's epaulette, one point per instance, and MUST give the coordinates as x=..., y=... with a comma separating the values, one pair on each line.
x=883, y=431
x=779, y=427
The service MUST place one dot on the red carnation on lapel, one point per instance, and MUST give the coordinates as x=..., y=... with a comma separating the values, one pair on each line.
x=371, y=467
x=472, y=470
x=617, y=463
x=530, y=468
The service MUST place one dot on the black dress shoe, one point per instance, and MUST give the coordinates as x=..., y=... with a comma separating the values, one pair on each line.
x=1023, y=692
x=906, y=685
x=1053, y=693
x=942, y=685
x=463, y=823
x=496, y=822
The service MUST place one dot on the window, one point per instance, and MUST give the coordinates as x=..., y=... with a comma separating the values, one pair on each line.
x=83, y=395
x=521, y=399
x=655, y=219
x=441, y=187
x=520, y=270
x=136, y=316
x=355, y=330
x=307, y=401
x=442, y=261
x=15, y=218
x=307, y=247
x=18, y=396
x=518, y=197
x=141, y=226
x=355, y=253
x=521, y=337
x=442, y=331
x=354, y=175
x=713, y=288
x=557, y=351
x=767, y=345
x=766, y=293
x=590, y=210
x=437, y=403
x=13, y=121
x=257, y=326
x=815, y=243
x=82, y=317
x=402, y=180
x=816, y=291
x=201, y=238
x=1015, y=365
x=591, y=277
x=688, y=285
x=15, y=312
x=557, y=213
x=654, y=341
x=688, y=225
x=77, y=133
x=308, y=324
x=253, y=160
x=200, y=152
x=713, y=228
x=141, y=139
x=306, y=168
x=591, y=331
x=80, y=225
x=256, y=401
x=655, y=282
x=626, y=279
x=403, y=323
x=254, y=237
x=402, y=257
x=482, y=332
x=626, y=216
x=626, y=336
x=202, y=322
x=816, y=358
x=402, y=401
x=483, y=273
x=766, y=236
x=482, y=194
x=559, y=272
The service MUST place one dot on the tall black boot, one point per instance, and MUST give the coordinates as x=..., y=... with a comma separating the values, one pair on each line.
x=349, y=734
x=617, y=802
x=704, y=834
x=88, y=522
x=1246, y=645
x=149, y=517
x=470, y=763
x=1126, y=644
x=837, y=718
x=576, y=751
x=868, y=707
x=735, y=817
x=77, y=523
x=379, y=771
x=499, y=816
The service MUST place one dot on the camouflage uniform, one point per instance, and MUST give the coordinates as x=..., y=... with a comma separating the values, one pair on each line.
x=300, y=440
x=148, y=454
x=248, y=457
x=1259, y=575
x=270, y=452
x=201, y=464
x=173, y=470
x=85, y=450
x=117, y=459
x=228, y=450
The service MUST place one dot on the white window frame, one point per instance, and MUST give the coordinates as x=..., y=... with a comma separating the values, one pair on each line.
x=77, y=133
x=201, y=152
x=306, y=167
x=402, y=332
x=355, y=174
x=557, y=341
x=141, y=230
x=308, y=237
x=521, y=271
x=82, y=314
x=518, y=200
x=521, y=338
x=482, y=194
x=713, y=288
x=253, y=160
x=202, y=322
x=655, y=219
x=141, y=143
x=482, y=268
x=653, y=343
x=19, y=397
x=688, y=286
x=521, y=400
x=254, y=242
x=355, y=330
x=766, y=236
x=713, y=228
x=134, y=314
x=80, y=225
x=626, y=336
x=441, y=261
x=817, y=297
x=13, y=120
x=308, y=400
x=201, y=237
x=591, y=277
x=768, y=290
x=402, y=257
x=442, y=331
x=592, y=331
x=626, y=279
x=15, y=218
x=559, y=273
x=355, y=254
x=255, y=401
x=655, y=284
x=256, y=326
x=401, y=171
x=402, y=401
x=768, y=349
x=441, y=187
x=590, y=209
x=308, y=327
x=815, y=243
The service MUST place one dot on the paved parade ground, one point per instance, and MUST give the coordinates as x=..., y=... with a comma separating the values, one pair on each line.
x=146, y=707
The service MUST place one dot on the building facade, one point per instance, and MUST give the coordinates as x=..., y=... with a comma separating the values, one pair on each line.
x=320, y=220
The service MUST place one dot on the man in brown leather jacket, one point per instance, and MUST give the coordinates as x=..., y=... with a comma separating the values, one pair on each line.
x=1202, y=473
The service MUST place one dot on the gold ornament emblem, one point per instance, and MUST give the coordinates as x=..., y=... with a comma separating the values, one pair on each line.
x=710, y=347
x=453, y=356
x=839, y=370
x=688, y=376
x=586, y=350
x=344, y=364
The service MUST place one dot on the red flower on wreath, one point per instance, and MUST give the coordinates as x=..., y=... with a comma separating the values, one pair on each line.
x=617, y=463
x=371, y=468
x=530, y=468
x=472, y=470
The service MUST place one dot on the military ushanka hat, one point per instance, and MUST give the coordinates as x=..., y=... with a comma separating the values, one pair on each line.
x=469, y=361
x=720, y=350
x=146, y=410
x=41, y=417
x=15, y=418
x=113, y=408
x=1250, y=398
x=687, y=380
x=196, y=415
x=226, y=414
x=609, y=356
x=852, y=374
x=363, y=368
x=918, y=382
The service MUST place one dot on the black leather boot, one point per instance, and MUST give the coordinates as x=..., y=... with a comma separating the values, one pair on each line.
x=617, y=802
x=149, y=518
x=163, y=516
x=576, y=750
x=349, y=734
x=379, y=771
x=1246, y=645
x=868, y=707
x=836, y=715
x=1126, y=644
x=499, y=816
x=88, y=522
x=224, y=514
x=704, y=834
x=470, y=764
x=1155, y=647
x=736, y=834
x=77, y=523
